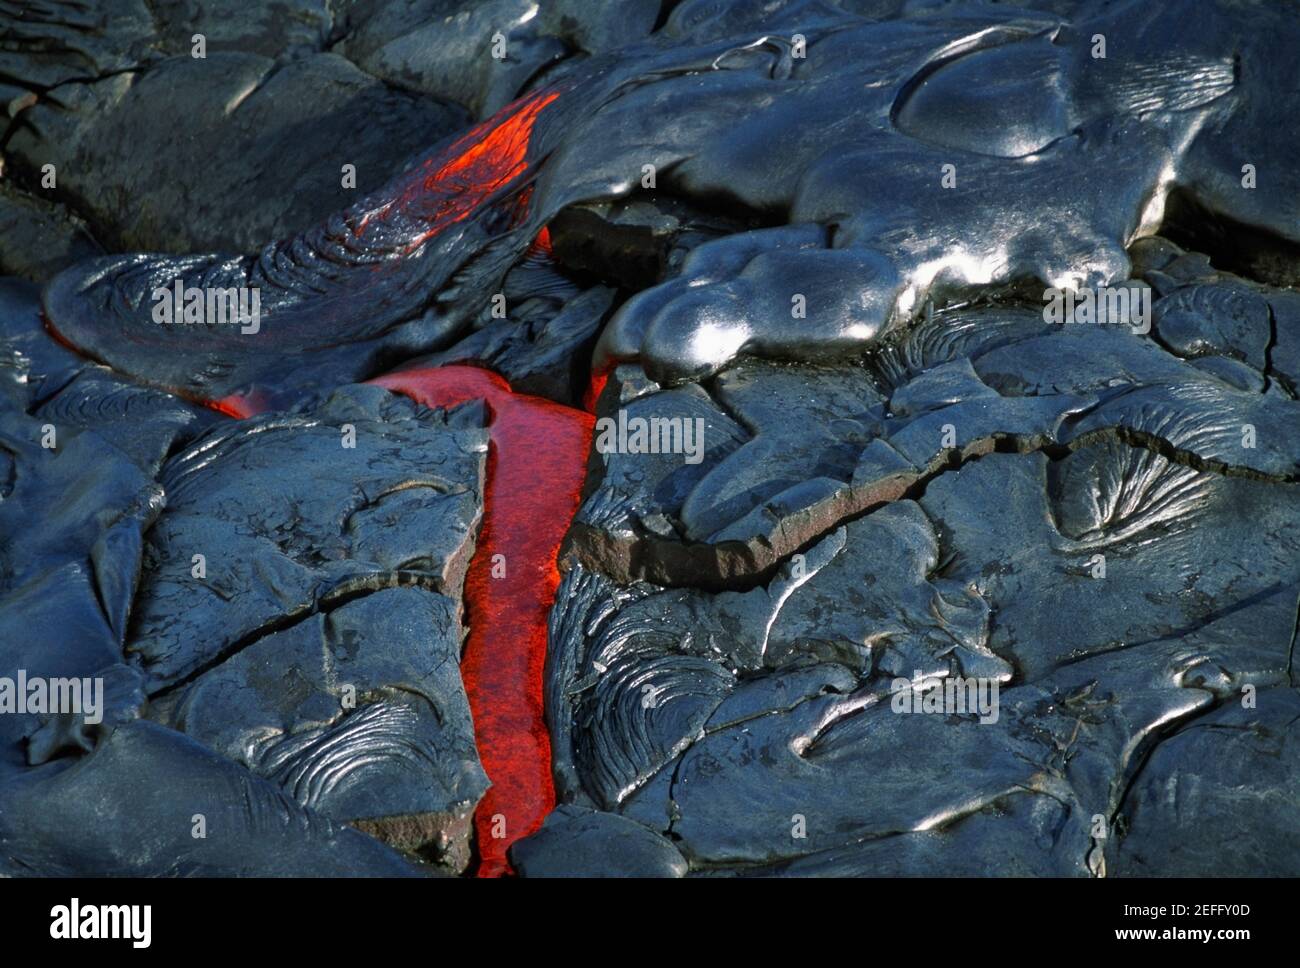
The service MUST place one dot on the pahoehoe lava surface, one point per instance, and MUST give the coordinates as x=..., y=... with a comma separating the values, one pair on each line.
x=819, y=437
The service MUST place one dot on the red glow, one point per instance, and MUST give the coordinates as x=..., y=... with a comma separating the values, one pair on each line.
x=536, y=463
x=542, y=244
x=594, y=389
x=235, y=406
x=491, y=155
x=59, y=337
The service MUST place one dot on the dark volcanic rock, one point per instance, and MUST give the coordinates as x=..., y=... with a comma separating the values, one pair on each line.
x=889, y=213
x=807, y=757
x=1232, y=771
x=145, y=424
x=636, y=241
x=51, y=42
x=329, y=691
x=541, y=346
x=271, y=28
x=483, y=53
x=38, y=237
x=1215, y=320
x=819, y=444
x=32, y=365
x=358, y=715
x=103, y=816
x=298, y=514
x=222, y=152
x=340, y=689
x=1130, y=546
x=644, y=677
x=576, y=842
x=71, y=525
x=1102, y=528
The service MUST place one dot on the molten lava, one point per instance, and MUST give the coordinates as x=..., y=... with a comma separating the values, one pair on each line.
x=535, y=470
x=595, y=388
x=238, y=406
x=542, y=244
x=485, y=160
x=536, y=464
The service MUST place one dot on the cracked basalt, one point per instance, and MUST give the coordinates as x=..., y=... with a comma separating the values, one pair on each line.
x=390, y=494
x=1135, y=505
x=358, y=714
x=1083, y=701
x=797, y=450
x=317, y=677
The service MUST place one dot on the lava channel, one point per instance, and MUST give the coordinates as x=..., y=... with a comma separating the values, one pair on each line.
x=537, y=460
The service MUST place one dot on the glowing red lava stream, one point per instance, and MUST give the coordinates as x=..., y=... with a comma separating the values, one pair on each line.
x=536, y=464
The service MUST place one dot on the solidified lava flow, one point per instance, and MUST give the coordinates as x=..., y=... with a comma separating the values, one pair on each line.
x=535, y=470
x=366, y=276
